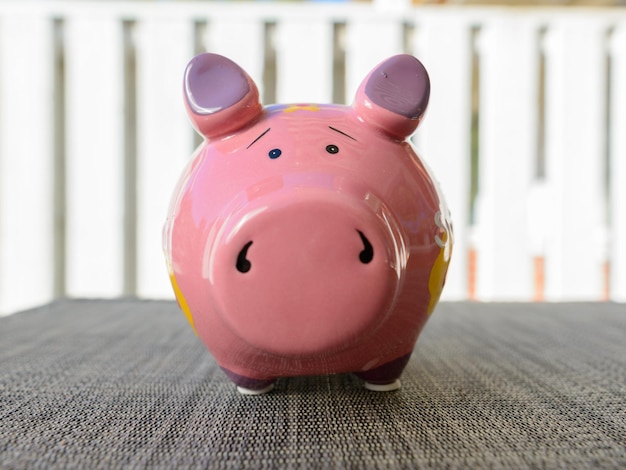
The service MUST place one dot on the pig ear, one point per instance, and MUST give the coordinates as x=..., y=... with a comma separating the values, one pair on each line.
x=220, y=96
x=394, y=96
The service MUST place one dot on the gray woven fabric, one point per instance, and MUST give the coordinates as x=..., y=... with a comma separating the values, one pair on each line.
x=125, y=383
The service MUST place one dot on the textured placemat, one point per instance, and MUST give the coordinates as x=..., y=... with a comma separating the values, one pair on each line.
x=125, y=383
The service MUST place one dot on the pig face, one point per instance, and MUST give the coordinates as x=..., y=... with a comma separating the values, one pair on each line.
x=307, y=238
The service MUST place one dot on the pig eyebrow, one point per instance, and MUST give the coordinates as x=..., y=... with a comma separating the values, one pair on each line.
x=255, y=140
x=341, y=132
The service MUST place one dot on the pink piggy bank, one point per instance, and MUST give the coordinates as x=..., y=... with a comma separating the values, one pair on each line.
x=307, y=239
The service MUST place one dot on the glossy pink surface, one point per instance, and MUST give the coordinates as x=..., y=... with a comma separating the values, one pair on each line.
x=306, y=239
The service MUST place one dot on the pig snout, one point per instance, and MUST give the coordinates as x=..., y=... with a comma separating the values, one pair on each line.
x=305, y=272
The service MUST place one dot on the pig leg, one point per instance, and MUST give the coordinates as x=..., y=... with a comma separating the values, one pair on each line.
x=385, y=378
x=250, y=386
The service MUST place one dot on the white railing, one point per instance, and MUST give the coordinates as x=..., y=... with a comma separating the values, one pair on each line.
x=526, y=131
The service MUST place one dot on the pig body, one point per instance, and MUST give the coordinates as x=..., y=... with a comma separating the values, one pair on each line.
x=307, y=239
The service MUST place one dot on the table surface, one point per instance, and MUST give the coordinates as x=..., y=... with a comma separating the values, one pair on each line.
x=118, y=383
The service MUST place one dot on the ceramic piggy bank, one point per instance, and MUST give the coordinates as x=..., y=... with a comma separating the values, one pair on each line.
x=307, y=239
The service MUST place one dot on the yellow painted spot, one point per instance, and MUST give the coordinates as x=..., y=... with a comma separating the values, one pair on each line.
x=440, y=267
x=301, y=107
x=182, y=303
x=437, y=279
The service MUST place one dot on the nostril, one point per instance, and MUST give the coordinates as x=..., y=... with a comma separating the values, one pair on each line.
x=243, y=265
x=367, y=254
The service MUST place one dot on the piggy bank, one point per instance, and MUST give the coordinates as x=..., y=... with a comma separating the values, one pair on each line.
x=307, y=239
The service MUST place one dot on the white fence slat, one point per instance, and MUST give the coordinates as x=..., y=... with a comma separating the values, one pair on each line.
x=369, y=40
x=575, y=133
x=618, y=166
x=26, y=156
x=304, y=49
x=392, y=5
x=507, y=150
x=94, y=156
x=443, y=45
x=241, y=40
x=164, y=139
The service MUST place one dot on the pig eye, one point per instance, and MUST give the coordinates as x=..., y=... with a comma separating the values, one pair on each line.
x=332, y=149
x=274, y=153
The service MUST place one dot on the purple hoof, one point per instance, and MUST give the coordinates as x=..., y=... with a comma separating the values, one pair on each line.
x=250, y=386
x=385, y=377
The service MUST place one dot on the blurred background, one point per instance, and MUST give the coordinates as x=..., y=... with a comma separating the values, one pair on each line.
x=525, y=131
